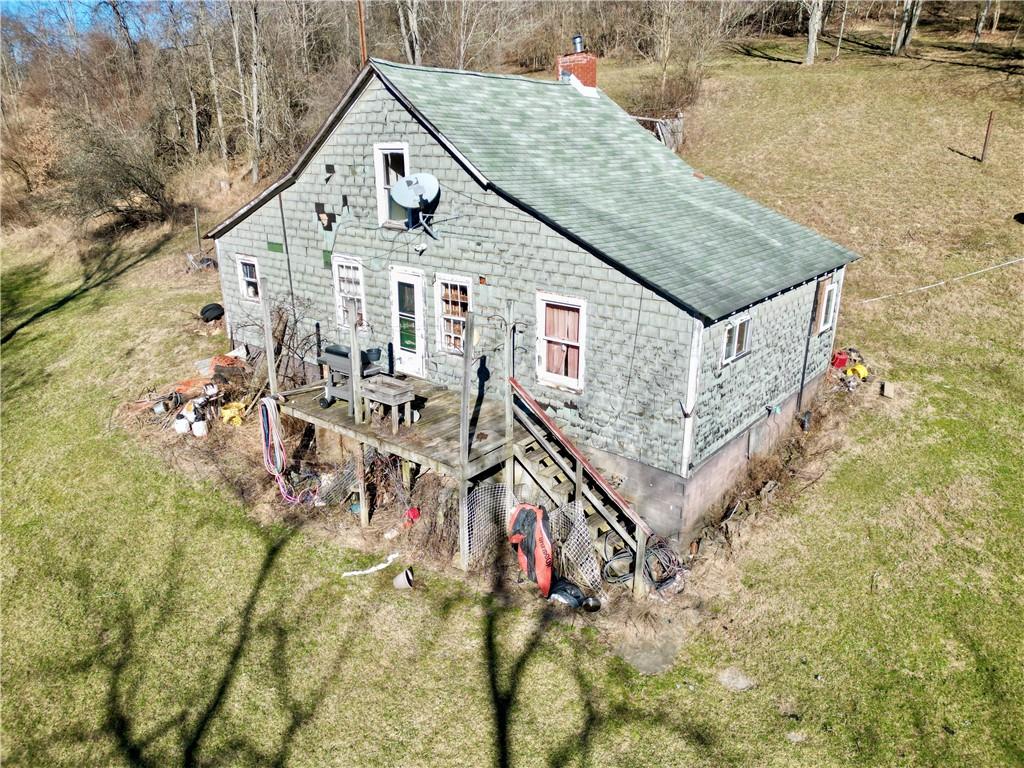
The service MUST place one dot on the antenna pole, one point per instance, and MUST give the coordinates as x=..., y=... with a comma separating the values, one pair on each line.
x=362, y=32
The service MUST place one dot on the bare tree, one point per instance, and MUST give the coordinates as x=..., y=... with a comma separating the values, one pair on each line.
x=409, y=23
x=204, y=32
x=842, y=29
x=908, y=25
x=813, y=28
x=979, y=23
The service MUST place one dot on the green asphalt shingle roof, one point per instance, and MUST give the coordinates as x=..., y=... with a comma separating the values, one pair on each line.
x=588, y=168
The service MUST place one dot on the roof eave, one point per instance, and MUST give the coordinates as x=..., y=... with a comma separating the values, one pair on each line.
x=292, y=174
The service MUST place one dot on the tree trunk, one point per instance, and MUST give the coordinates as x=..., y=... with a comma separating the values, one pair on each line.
x=409, y=21
x=996, y=13
x=911, y=14
x=204, y=30
x=813, y=27
x=133, y=48
x=980, y=25
x=236, y=38
x=842, y=28
x=257, y=116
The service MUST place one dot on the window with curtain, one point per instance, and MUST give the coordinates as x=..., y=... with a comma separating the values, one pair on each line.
x=561, y=323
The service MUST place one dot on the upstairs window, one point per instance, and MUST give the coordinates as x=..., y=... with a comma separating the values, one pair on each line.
x=737, y=339
x=348, y=284
x=827, y=292
x=248, y=278
x=452, y=308
x=391, y=162
x=561, y=326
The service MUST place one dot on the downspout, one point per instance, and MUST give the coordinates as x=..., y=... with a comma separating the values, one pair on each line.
x=692, y=391
x=807, y=348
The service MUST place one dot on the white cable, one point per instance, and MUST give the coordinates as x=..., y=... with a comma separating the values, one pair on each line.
x=942, y=282
x=373, y=569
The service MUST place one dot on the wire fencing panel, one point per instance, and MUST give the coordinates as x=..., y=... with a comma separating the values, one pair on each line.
x=488, y=509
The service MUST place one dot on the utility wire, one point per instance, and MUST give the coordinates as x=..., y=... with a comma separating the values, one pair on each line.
x=942, y=282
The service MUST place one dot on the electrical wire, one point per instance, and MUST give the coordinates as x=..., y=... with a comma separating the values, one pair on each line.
x=658, y=553
x=275, y=457
x=942, y=282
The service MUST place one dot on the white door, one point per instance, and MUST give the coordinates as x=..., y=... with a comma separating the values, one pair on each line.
x=408, y=331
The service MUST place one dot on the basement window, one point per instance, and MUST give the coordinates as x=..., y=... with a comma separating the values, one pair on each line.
x=737, y=340
x=391, y=163
x=452, y=298
x=248, y=279
x=827, y=292
x=348, y=284
x=561, y=332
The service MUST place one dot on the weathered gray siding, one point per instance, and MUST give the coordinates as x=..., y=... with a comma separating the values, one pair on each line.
x=636, y=343
x=735, y=396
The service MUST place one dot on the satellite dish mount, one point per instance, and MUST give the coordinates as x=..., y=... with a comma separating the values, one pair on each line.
x=419, y=194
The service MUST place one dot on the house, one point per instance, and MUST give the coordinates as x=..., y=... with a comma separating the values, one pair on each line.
x=668, y=325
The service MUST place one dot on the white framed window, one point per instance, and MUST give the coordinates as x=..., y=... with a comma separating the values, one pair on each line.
x=828, y=293
x=248, y=278
x=737, y=339
x=561, y=339
x=347, y=273
x=453, y=299
x=390, y=163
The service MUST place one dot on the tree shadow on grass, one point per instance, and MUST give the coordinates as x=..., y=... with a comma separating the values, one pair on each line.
x=762, y=52
x=101, y=266
x=601, y=716
x=200, y=728
x=998, y=60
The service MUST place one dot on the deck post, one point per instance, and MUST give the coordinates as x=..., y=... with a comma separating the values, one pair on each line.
x=464, y=415
x=364, y=502
x=355, y=363
x=639, y=585
x=510, y=351
x=268, y=337
x=464, y=524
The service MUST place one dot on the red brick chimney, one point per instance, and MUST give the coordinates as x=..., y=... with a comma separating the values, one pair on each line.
x=580, y=62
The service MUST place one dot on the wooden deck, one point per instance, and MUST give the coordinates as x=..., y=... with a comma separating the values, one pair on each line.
x=433, y=441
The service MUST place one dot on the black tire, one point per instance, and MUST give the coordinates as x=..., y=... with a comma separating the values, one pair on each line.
x=211, y=312
x=326, y=402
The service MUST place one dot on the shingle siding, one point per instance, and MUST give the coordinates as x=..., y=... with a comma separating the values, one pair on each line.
x=637, y=344
x=734, y=396
x=635, y=365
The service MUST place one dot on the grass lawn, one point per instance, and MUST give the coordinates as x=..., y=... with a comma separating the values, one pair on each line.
x=147, y=621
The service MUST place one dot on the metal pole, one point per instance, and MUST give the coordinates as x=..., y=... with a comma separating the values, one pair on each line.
x=268, y=337
x=988, y=134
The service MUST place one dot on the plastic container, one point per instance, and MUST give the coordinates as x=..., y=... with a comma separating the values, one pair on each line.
x=840, y=359
x=200, y=428
x=181, y=425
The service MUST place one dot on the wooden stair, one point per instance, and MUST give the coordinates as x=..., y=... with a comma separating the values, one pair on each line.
x=564, y=474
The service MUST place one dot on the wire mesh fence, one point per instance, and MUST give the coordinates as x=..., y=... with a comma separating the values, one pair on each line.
x=488, y=508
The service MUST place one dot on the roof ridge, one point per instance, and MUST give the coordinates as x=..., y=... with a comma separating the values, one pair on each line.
x=468, y=72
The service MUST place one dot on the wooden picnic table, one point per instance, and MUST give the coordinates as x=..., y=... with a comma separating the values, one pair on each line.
x=391, y=392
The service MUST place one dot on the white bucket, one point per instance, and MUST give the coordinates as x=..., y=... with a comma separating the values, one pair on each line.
x=200, y=428
x=181, y=425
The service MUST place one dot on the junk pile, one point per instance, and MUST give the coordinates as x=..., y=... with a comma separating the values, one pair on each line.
x=193, y=405
x=853, y=371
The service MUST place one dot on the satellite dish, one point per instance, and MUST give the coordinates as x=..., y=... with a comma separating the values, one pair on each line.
x=417, y=192
x=419, y=195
